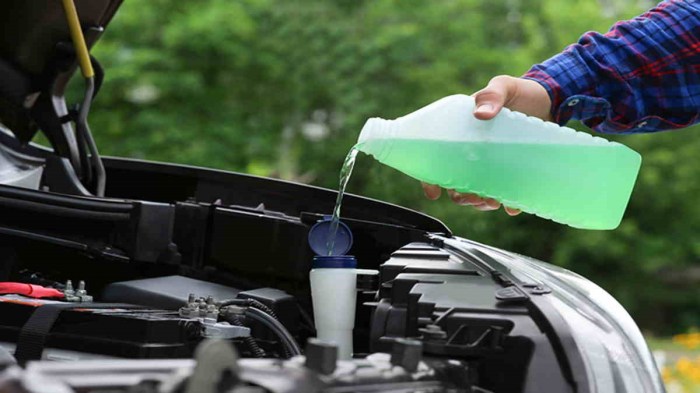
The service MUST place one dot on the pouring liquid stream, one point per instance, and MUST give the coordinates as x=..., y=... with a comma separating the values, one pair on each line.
x=345, y=173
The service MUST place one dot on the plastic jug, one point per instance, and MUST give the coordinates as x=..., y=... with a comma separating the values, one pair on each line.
x=526, y=163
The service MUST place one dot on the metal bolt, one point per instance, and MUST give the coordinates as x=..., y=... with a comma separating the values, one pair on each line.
x=69, y=287
x=81, y=289
x=212, y=313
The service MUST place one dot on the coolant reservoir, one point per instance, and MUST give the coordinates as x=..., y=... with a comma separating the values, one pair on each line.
x=333, y=281
x=334, y=285
x=523, y=162
x=333, y=291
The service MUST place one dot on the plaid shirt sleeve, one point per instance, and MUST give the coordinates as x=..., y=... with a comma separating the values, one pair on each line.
x=641, y=76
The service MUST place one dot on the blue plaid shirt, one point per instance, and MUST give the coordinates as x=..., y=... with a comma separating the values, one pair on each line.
x=641, y=76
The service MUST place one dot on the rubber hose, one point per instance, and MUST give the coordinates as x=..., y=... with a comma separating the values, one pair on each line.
x=276, y=327
x=249, y=341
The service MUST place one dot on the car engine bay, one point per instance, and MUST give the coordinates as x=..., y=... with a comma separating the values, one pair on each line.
x=146, y=285
x=431, y=319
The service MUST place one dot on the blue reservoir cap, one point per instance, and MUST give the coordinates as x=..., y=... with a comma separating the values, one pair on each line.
x=335, y=262
x=320, y=233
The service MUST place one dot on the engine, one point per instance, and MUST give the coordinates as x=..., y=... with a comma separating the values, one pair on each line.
x=435, y=319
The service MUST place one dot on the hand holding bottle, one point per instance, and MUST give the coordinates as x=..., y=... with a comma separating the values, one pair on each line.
x=522, y=95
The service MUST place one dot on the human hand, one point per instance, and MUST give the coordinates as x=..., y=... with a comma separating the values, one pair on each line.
x=522, y=95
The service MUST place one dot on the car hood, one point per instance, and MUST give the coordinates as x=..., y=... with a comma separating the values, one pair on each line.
x=36, y=54
x=613, y=353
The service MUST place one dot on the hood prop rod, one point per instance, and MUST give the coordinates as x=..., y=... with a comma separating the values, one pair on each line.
x=81, y=123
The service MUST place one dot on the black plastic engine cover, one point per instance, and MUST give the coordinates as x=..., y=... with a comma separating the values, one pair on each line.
x=458, y=308
x=167, y=293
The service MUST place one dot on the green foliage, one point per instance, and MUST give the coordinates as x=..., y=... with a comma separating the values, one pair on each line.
x=282, y=89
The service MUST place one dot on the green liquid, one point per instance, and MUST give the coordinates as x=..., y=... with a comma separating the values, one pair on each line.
x=345, y=173
x=584, y=186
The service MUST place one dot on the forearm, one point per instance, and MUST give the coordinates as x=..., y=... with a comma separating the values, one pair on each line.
x=641, y=76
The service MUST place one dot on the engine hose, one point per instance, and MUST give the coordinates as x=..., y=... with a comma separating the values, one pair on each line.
x=249, y=341
x=292, y=348
x=262, y=307
x=286, y=339
x=249, y=303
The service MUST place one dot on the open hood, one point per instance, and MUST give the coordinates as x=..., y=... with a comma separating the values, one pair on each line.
x=36, y=61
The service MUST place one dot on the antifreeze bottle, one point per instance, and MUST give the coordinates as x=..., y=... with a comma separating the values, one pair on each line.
x=523, y=162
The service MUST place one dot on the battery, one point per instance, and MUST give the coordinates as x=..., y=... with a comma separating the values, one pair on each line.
x=125, y=331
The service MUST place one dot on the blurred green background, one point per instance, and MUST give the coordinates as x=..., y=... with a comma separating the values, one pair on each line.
x=282, y=88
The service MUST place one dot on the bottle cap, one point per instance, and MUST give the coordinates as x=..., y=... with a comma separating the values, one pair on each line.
x=334, y=262
x=319, y=235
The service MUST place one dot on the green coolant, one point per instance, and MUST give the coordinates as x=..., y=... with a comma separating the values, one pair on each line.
x=584, y=186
